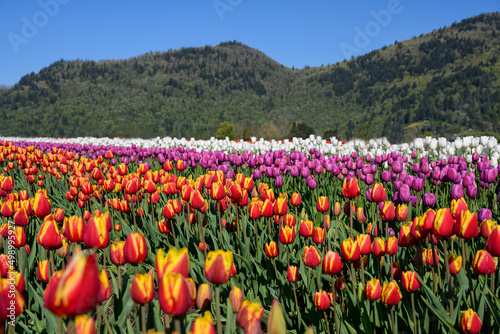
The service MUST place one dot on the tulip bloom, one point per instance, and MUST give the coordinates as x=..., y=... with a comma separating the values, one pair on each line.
x=378, y=247
x=271, y=250
x=388, y=211
x=332, y=264
x=365, y=244
x=321, y=300
x=276, y=321
x=296, y=200
x=280, y=206
x=64, y=295
x=470, y=322
x=204, y=296
x=116, y=253
x=287, y=235
x=350, y=250
x=378, y=193
x=41, y=205
x=360, y=215
x=454, y=263
x=391, y=246
x=135, y=250
x=457, y=207
x=466, y=226
x=174, y=295
x=218, y=265
x=142, y=288
x=318, y=235
x=306, y=228
x=493, y=242
x=249, y=312
x=443, y=223
x=391, y=294
x=96, y=234
x=196, y=200
x=487, y=227
x=483, y=263
x=311, y=257
x=236, y=298
x=42, y=271
x=254, y=210
x=104, y=291
x=322, y=205
x=373, y=290
x=292, y=274
x=74, y=229
x=402, y=212
x=410, y=281
x=267, y=208
x=175, y=261
x=350, y=189
x=48, y=235
x=203, y=325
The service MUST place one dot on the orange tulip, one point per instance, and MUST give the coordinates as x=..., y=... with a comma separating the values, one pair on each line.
x=64, y=295
x=175, y=261
x=454, y=263
x=218, y=265
x=48, y=235
x=204, y=296
x=470, y=322
x=350, y=189
x=116, y=253
x=373, y=290
x=236, y=298
x=174, y=295
x=142, y=288
x=271, y=249
x=391, y=294
x=135, y=250
x=311, y=257
x=203, y=325
x=96, y=233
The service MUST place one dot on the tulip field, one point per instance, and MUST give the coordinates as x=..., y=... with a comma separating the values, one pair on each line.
x=302, y=236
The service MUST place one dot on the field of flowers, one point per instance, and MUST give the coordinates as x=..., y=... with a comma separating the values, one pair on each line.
x=302, y=236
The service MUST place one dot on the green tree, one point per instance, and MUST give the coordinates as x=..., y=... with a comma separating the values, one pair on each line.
x=225, y=129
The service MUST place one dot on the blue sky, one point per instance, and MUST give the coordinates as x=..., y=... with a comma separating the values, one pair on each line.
x=35, y=33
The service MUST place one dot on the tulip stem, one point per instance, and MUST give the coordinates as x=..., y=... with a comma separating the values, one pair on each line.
x=119, y=276
x=72, y=325
x=362, y=260
x=392, y=321
x=143, y=318
x=173, y=231
x=334, y=293
x=413, y=311
x=350, y=218
x=52, y=264
x=336, y=229
x=469, y=276
x=217, y=309
x=256, y=237
x=179, y=325
x=133, y=216
x=220, y=225
x=326, y=321
x=202, y=233
x=59, y=325
x=353, y=278
x=448, y=277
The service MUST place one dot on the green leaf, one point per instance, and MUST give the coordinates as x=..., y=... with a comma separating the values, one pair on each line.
x=51, y=318
x=128, y=304
x=444, y=318
x=229, y=318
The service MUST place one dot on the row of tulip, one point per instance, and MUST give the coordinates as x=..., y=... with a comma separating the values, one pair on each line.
x=64, y=201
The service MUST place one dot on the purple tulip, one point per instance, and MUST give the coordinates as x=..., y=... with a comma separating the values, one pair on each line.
x=483, y=214
x=369, y=179
x=404, y=193
x=457, y=191
x=279, y=181
x=417, y=184
x=368, y=194
x=386, y=176
x=257, y=174
x=312, y=183
x=429, y=199
x=471, y=191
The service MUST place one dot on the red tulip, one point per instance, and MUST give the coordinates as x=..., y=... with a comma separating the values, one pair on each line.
x=373, y=290
x=410, y=281
x=311, y=257
x=391, y=294
x=271, y=249
x=322, y=205
x=142, y=288
x=218, y=265
x=174, y=295
x=135, y=249
x=332, y=264
x=350, y=250
x=350, y=189
x=321, y=300
x=470, y=322
x=483, y=263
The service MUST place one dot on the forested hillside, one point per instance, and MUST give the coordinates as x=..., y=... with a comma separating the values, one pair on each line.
x=442, y=83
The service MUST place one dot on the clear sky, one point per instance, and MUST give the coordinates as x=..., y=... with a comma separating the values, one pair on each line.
x=35, y=33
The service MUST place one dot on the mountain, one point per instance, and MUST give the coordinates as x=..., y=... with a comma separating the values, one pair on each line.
x=442, y=83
